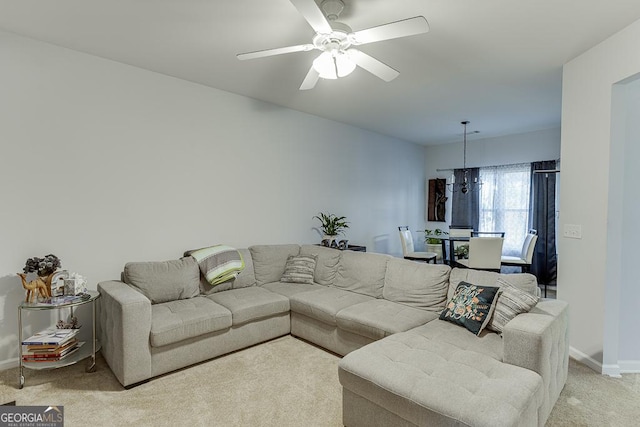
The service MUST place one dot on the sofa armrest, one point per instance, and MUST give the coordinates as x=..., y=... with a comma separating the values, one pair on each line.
x=539, y=341
x=124, y=319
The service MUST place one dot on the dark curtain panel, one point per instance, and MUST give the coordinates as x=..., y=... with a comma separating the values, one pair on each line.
x=543, y=219
x=465, y=208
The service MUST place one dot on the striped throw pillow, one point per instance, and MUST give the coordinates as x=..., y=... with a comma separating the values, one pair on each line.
x=299, y=269
x=219, y=263
x=511, y=302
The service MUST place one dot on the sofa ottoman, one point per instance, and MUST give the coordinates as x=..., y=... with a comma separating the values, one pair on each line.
x=408, y=379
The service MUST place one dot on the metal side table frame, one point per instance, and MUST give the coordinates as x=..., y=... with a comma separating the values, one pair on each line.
x=81, y=354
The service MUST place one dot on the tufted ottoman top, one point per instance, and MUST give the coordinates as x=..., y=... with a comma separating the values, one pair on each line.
x=428, y=381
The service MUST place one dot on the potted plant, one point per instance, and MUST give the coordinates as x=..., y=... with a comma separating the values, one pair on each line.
x=434, y=242
x=462, y=251
x=45, y=269
x=331, y=225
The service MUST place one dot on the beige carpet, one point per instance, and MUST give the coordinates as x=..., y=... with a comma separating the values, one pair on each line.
x=285, y=382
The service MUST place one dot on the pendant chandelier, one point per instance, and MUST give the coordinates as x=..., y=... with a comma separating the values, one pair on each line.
x=466, y=185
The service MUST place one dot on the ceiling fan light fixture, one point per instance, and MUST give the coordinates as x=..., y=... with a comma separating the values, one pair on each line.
x=331, y=65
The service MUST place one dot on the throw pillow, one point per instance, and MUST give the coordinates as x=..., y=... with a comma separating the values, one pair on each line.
x=218, y=263
x=164, y=281
x=471, y=306
x=299, y=269
x=511, y=302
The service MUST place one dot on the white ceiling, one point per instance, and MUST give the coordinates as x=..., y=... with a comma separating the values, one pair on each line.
x=497, y=63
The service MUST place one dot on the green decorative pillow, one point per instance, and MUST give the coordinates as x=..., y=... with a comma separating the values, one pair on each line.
x=299, y=269
x=471, y=306
x=511, y=302
x=219, y=263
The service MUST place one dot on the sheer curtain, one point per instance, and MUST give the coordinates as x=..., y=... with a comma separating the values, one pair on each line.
x=504, y=203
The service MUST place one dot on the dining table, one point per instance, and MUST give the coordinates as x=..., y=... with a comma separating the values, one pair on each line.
x=452, y=239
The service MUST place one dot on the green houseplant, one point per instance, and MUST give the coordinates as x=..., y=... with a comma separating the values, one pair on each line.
x=431, y=236
x=434, y=241
x=332, y=225
x=462, y=251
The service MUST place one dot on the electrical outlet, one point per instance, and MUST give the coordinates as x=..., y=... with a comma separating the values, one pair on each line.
x=572, y=231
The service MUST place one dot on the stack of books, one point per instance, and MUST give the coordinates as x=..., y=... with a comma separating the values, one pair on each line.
x=50, y=345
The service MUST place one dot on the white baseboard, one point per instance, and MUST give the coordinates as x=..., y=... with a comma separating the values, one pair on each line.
x=629, y=366
x=613, y=370
x=9, y=364
x=585, y=359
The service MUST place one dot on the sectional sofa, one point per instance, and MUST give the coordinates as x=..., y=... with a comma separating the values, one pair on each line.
x=402, y=364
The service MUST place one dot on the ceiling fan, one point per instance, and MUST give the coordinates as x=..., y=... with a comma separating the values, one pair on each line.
x=336, y=40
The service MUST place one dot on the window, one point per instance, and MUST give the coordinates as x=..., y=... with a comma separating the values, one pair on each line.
x=504, y=203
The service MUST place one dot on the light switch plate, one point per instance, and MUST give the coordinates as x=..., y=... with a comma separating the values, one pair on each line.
x=572, y=231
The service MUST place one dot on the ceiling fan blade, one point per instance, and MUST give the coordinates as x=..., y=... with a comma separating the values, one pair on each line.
x=372, y=65
x=393, y=30
x=272, y=52
x=310, y=80
x=314, y=16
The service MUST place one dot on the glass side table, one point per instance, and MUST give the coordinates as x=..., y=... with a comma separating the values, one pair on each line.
x=87, y=350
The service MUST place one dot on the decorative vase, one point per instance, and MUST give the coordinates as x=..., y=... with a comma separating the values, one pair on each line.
x=47, y=281
x=435, y=247
x=329, y=240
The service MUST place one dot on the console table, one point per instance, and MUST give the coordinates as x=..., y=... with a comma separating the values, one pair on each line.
x=355, y=248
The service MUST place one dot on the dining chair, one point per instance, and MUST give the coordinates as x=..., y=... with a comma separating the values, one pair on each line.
x=408, y=250
x=484, y=253
x=526, y=255
x=458, y=232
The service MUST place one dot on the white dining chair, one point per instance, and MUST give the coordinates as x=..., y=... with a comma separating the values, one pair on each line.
x=408, y=249
x=485, y=253
x=458, y=232
x=526, y=255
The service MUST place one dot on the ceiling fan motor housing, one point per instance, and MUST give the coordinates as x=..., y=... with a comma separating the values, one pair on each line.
x=332, y=9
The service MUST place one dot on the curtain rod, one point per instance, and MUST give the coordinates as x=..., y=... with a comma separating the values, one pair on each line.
x=495, y=166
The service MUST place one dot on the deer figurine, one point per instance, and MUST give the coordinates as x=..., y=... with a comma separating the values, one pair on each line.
x=38, y=285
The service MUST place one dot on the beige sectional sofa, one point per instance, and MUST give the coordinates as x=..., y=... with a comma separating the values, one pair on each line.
x=403, y=366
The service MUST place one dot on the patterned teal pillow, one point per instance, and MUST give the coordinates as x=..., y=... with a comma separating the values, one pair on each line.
x=471, y=306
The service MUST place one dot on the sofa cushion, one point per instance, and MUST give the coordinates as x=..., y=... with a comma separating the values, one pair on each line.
x=427, y=381
x=326, y=263
x=289, y=289
x=248, y=304
x=417, y=284
x=511, y=302
x=219, y=263
x=471, y=306
x=379, y=318
x=269, y=261
x=362, y=273
x=165, y=280
x=451, y=338
x=299, y=269
x=324, y=304
x=178, y=320
x=524, y=281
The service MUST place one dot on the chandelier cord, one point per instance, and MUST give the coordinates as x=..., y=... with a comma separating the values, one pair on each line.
x=464, y=158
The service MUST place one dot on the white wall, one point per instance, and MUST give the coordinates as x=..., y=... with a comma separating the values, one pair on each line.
x=104, y=163
x=510, y=149
x=590, y=270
